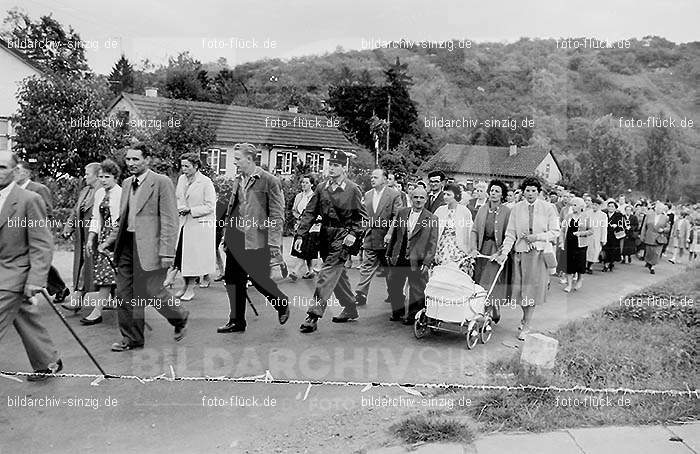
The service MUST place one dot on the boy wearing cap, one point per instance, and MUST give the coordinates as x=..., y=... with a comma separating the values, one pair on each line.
x=343, y=215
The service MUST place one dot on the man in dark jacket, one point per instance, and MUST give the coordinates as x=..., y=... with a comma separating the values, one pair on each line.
x=343, y=217
x=410, y=252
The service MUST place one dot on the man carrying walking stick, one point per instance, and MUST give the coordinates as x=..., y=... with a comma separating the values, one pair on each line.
x=25, y=258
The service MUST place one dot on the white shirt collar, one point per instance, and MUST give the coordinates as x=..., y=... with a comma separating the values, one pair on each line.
x=25, y=184
x=143, y=176
x=5, y=192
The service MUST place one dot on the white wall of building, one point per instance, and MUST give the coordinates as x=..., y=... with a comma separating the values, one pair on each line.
x=14, y=69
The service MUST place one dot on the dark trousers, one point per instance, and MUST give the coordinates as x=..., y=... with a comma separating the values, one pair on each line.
x=136, y=289
x=416, y=288
x=253, y=264
x=54, y=282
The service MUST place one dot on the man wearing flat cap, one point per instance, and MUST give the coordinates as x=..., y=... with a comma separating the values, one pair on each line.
x=343, y=216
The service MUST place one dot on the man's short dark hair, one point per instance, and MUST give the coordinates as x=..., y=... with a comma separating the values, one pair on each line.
x=142, y=147
x=454, y=189
x=437, y=173
x=500, y=184
x=531, y=181
x=311, y=179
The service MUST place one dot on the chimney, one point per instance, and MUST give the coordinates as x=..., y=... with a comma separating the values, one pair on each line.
x=152, y=92
x=294, y=109
x=513, y=149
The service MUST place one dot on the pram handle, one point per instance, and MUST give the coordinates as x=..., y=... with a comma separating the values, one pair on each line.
x=498, y=273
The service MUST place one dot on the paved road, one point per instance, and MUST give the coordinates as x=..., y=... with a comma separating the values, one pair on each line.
x=172, y=416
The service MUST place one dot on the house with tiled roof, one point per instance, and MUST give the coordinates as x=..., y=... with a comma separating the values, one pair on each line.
x=15, y=67
x=283, y=137
x=473, y=163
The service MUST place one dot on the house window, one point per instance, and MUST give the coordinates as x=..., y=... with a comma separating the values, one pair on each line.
x=315, y=161
x=216, y=159
x=285, y=162
x=546, y=171
x=4, y=134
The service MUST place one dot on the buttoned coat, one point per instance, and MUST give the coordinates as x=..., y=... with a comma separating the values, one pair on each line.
x=25, y=252
x=78, y=225
x=262, y=211
x=651, y=230
x=198, y=226
x=545, y=226
x=422, y=241
x=479, y=226
x=156, y=221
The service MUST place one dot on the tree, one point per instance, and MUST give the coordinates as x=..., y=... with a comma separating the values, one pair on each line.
x=46, y=43
x=56, y=124
x=657, y=163
x=185, y=79
x=178, y=132
x=121, y=79
x=606, y=165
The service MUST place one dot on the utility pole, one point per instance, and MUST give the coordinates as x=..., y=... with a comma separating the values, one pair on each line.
x=388, y=123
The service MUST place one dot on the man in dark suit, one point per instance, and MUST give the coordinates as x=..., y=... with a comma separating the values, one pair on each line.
x=26, y=250
x=435, y=200
x=382, y=204
x=410, y=251
x=253, y=234
x=144, y=248
x=56, y=286
x=480, y=198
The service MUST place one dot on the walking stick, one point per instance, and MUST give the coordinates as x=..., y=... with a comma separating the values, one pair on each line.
x=47, y=297
x=251, y=304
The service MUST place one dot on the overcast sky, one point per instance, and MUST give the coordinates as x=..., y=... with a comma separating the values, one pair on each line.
x=156, y=29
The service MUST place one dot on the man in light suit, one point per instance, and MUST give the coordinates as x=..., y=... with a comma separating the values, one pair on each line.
x=144, y=248
x=56, y=286
x=382, y=204
x=25, y=258
x=654, y=235
x=410, y=251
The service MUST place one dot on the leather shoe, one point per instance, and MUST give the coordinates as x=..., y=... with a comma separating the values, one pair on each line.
x=181, y=331
x=396, y=317
x=346, y=315
x=61, y=295
x=360, y=299
x=309, y=325
x=43, y=374
x=123, y=346
x=87, y=322
x=283, y=315
x=230, y=327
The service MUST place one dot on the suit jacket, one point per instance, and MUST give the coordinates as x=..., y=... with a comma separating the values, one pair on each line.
x=422, y=241
x=681, y=231
x=44, y=192
x=263, y=210
x=156, y=229
x=77, y=225
x=463, y=224
x=25, y=252
x=379, y=221
x=479, y=226
x=652, y=230
x=472, y=207
x=437, y=203
x=545, y=226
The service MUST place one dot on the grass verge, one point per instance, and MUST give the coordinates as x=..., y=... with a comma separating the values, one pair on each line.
x=633, y=344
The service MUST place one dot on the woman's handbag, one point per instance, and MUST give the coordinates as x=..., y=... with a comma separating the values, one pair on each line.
x=661, y=239
x=620, y=235
x=310, y=243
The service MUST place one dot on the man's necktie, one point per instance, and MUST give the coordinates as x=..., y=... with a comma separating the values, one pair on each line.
x=135, y=184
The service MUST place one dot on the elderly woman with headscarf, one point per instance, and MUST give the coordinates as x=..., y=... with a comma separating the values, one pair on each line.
x=488, y=233
x=576, y=227
x=654, y=235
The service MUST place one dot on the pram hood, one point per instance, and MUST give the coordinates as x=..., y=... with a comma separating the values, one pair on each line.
x=451, y=295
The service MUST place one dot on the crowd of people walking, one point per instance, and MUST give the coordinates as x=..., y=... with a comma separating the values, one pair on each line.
x=132, y=239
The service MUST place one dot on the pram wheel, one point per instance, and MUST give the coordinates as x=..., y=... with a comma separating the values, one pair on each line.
x=420, y=326
x=486, y=331
x=472, y=334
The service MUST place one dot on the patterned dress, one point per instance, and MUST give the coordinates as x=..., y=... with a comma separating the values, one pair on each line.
x=448, y=250
x=104, y=274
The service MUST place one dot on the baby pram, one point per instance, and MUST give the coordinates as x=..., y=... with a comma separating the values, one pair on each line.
x=454, y=303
